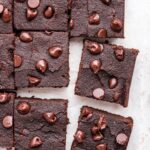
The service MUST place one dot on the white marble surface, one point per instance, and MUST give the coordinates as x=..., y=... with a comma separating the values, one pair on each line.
x=137, y=31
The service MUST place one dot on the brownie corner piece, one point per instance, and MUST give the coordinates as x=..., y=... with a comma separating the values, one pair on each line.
x=106, y=72
x=42, y=59
x=40, y=123
x=6, y=117
x=101, y=130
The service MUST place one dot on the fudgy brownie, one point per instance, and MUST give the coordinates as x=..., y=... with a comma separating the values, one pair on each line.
x=40, y=124
x=40, y=15
x=6, y=118
x=100, y=130
x=6, y=16
x=97, y=18
x=41, y=59
x=106, y=72
x=6, y=62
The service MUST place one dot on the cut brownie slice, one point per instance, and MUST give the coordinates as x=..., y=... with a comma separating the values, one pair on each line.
x=6, y=16
x=6, y=117
x=41, y=59
x=40, y=15
x=40, y=124
x=6, y=62
x=100, y=130
x=106, y=72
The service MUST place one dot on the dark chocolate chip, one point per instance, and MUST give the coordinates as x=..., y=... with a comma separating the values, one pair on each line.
x=50, y=117
x=99, y=93
x=98, y=137
x=31, y=14
x=102, y=33
x=71, y=24
x=94, y=19
x=7, y=122
x=33, y=81
x=101, y=147
x=7, y=15
x=36, y=142
x=33, y=3
x=23, y=108
x=113, y=83
x=116, y=96
x=49, y=12
x=17, y=61
x=119, y=53
x=55, y=51
x=42, y=65
x=122, y=139
x=80, y=136
x=102, y=123
x=87, y=112
x=107, y=2
x=4, y=98
x=95, y=66
x=116, y=25
x=26, y=37
x=94, y=130
x=1, y=8
x=94, y=47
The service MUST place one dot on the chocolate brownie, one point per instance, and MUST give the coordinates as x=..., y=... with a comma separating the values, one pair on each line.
x=40, y=124
x=40, y=15
x=6, y=117
x=106, y=72
x=6, y=16
x=100, y=130
x=41, y=59
x=6, y=62
x=98, y=18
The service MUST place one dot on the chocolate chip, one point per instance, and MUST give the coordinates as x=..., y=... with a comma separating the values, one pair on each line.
x=107, y=2
x=98, y=137
x=113, y=83
x=99, y=93
x=1, y=8
x=80, y=136
x=95, y=66
x=101, y=147
x=102, y=123
x=17, y=61
x=94, y=19
x=50, y=117
x=7, y=15
x=116, y=25
x=102, y=33
x=122, y=139
x=71, y=24
x=31, y=14
x=119, y=53
x=116, y=96
x=7, y=122
x=33, y=81
x=55, y=51
x=94, y=130
x=4, y=98
x=42, y=65
x=87, y=112
x=94, y=47
x=49, y=12
x=23, y=108
x=33, y=3
x=26, y=37
x=36, y=142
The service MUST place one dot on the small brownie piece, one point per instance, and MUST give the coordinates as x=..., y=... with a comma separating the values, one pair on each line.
x=6, y=16
x=41, y=59
x=106, y=72
x=100, y=130
x=41, y=15
x=6, y=117
x=40, y=124
x=6, y=62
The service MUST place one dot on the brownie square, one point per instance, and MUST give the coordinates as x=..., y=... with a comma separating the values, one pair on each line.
x=6, y=62
x=40, y=124
x=98, y=18
x=6, y=13
x=106, y=72
x=41, y=59
x=6, y=117
x=100, y=130
x=41, y=15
